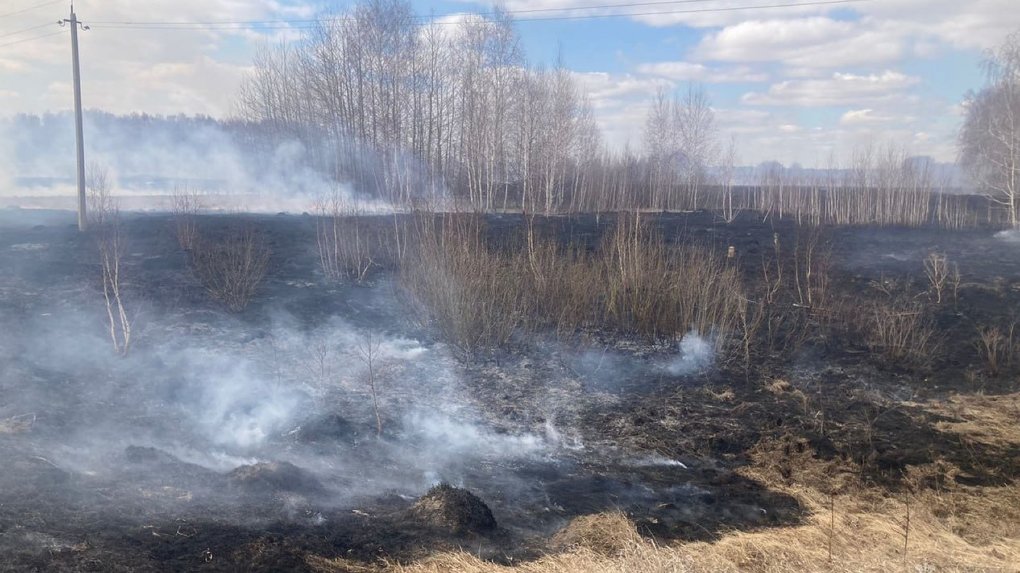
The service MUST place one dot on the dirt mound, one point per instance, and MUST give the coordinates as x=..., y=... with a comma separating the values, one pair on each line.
x=148, y=455
x=604, y=533
x=327, y=429
x=272, y=477
x=453, y=508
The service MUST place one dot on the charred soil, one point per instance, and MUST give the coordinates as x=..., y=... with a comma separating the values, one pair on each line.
x=105, y=468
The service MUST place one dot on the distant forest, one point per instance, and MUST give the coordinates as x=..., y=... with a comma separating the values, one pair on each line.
x=404, y=109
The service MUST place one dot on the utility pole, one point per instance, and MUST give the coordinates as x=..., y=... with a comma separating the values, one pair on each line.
x=78, y=129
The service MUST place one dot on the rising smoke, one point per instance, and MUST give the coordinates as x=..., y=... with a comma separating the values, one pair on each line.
x=237, y=166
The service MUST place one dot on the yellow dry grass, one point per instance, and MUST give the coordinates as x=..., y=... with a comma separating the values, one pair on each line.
x=867, y=535
x=949, y=528
x=989, y=420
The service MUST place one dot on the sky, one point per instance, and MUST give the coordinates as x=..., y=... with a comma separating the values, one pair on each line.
x=794, y=83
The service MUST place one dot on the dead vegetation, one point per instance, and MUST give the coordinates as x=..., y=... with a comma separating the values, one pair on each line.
x=938, y=272
x=347, y=247
x=934, y=525
x=998, y=347
x=455, y=509
x=900, y=333
x=232, y=268
x=185, y=205
x=634, y=283
x=853, y=532
x=368, y=352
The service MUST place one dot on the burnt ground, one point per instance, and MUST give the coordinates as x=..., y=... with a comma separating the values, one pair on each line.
x=246, y=441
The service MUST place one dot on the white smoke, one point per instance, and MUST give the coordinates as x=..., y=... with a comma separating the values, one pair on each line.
x=457, y=438
x=1009, y=236
x=697, y=353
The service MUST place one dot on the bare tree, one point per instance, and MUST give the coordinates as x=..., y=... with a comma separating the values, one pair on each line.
x=185, y=205
x=937, y=269
x=104, y=222
x=405, y=108
x=728, y=172
x=989, y=140
x=368, y=352
x=680, y=141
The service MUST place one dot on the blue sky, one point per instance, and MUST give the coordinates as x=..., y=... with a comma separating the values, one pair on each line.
x=797, y=84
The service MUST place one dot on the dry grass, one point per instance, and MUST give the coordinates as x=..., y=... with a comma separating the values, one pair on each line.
x=866, y=534
x=989, y=420
x=848, y=528
x=610, y=534
x=964, y=530
x=480, y=296
x=466, y=290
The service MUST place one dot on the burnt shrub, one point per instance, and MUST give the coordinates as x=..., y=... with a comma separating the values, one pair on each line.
x=454, y=509
x=231, y=269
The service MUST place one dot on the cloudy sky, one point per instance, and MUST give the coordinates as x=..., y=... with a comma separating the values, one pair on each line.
x=793, y=83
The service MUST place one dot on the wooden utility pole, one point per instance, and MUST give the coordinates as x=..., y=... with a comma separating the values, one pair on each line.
x=78, y=129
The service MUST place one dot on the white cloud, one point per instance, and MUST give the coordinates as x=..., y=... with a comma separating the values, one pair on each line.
x=718, y=13
x=620, y=102
x=689, y=71
x=623, y=125
x=973, y=24
x=610, y=90
x=131, y=69
x=868, y=116
x=839, y=90
x=809, y=43
x=962, y=23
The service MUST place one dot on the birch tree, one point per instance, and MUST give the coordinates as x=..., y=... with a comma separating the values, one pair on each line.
x=989, y=142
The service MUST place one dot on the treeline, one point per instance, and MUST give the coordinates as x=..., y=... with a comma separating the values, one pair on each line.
x=411, y=109
x=449, y=113
x=405, y=108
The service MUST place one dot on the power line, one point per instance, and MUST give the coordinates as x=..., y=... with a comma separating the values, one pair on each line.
x=417, y=16
x=304, y=24
x=32, y=38
x=8, y=34
x=30, y=8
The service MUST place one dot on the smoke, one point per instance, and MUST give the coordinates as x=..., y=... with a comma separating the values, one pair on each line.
x=1009, y=236
x=203, y=393
x=236, y=166
x=451, y=439
x=697, y=353
x=236, y=407
x=7, y=167
x=220, y=392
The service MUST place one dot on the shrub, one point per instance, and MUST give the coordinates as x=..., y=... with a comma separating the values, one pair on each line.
x=901, y=334
x=467, y=291
x=939, y=273
x=346, y=244
x=997, y=347
x=184, y=206
x=232, y=269
x=480, y=296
